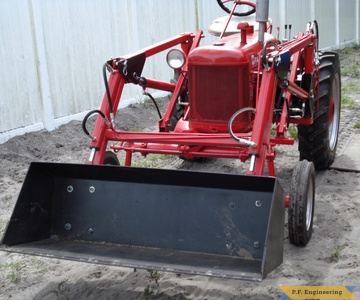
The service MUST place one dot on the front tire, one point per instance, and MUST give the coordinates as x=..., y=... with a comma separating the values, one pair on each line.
x=318, y=141
x=302, y=203
x=111, y=159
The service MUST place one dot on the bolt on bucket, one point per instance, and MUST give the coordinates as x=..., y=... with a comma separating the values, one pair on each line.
x=211, y=224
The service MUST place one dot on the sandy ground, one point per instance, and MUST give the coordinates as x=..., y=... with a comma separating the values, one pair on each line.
x=331, y=257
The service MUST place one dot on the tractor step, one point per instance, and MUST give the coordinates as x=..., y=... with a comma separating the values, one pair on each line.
x=178, y=221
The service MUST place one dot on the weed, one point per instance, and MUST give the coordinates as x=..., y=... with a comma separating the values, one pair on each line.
x=147, y=102
x=357, y=125
x=335, y=255
x=135, y=129
x=39, y=267
x=154, y=276
x=14, y=270
x=152, y=161
x=293, y=131
x=60, y=289
x=14, y=274
x=347, y=89
x=149, y=291
x=273, y=131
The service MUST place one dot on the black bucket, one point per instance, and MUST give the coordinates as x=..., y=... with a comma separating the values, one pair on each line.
x=178, y=221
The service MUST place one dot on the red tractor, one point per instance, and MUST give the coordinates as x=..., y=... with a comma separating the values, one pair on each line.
x=234, y=98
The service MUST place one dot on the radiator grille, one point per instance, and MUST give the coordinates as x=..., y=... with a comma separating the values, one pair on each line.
x=217, y=92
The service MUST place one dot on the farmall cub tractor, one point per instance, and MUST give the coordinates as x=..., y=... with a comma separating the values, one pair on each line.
x=234, y=98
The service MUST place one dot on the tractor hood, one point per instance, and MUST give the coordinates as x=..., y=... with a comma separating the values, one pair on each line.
x=229, y=51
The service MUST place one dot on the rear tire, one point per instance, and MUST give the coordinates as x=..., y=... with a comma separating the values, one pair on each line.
x=302, y=202
x=318, y=141
x=111, y=159
x=176, y=116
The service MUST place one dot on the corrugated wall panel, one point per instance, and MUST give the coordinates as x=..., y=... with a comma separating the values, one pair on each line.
x=207, y=12
x=20, y=102
x=52, y=52
x=298, y=14
x=347, y=15
x=325, y=11
x=80, y=36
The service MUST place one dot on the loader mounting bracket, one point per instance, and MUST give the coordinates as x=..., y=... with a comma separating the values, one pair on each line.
x=131, y=68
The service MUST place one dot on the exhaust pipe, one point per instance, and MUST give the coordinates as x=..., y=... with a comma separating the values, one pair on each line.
x=262, y=16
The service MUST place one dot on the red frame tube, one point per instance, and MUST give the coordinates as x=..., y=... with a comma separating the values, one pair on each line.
x=191, y=144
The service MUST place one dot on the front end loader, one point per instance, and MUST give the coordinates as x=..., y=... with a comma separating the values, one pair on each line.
x=234, y=98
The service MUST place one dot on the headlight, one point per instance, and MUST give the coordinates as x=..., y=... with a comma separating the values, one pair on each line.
x=175, y=58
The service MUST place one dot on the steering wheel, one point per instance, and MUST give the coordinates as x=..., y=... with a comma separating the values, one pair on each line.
x=222, y=4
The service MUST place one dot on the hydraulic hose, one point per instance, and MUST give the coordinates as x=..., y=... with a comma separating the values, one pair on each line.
x=247, y=143
x=111, y=108
x=263, y=53
x=153, y=100
x=107, y=88
x=87, y=116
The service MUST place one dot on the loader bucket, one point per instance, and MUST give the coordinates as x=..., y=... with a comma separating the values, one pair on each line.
x=178, y=221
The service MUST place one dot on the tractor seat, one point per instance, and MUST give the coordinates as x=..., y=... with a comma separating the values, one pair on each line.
x=218, y=25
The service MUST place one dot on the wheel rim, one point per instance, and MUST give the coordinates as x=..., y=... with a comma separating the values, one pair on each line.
x=310, y=205
x=334, y=112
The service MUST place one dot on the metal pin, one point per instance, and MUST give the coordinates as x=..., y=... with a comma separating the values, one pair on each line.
x=92, y=154
x=252, y=163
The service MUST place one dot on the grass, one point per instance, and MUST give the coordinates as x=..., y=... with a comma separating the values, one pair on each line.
x=357, y=125
x=348, y=103
x=136, y=129
x=352, y=69
x=293, y=132
x=13, y=270
x=347, y=89
x=350, y=63
x=40, y=266
x=153, y=161
x=336, y=253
